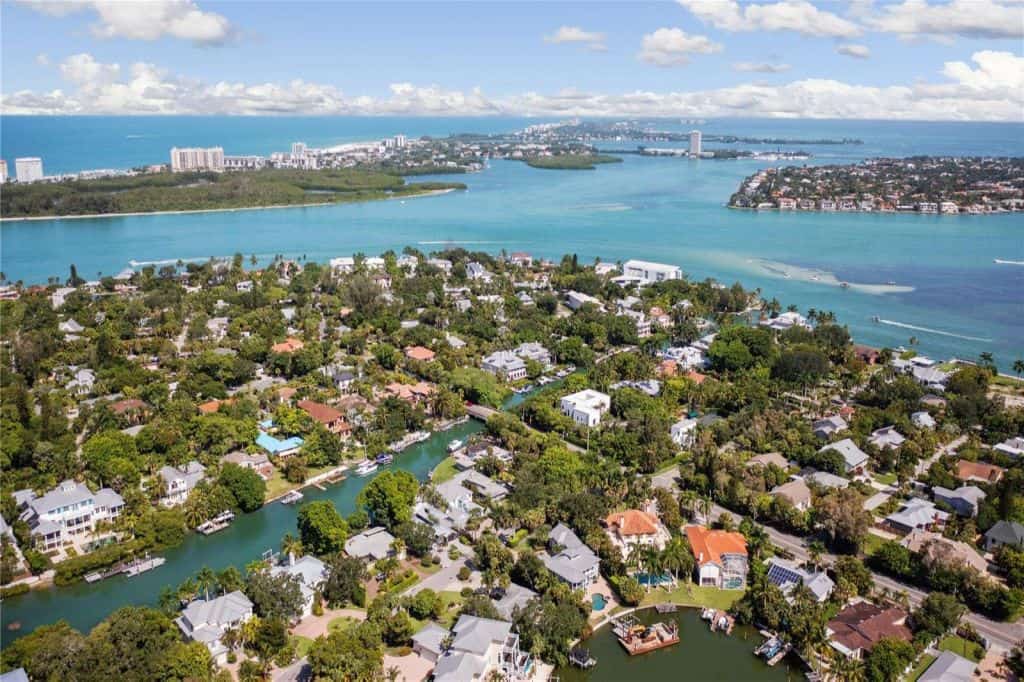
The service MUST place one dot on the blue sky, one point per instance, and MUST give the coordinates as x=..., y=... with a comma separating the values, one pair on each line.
x=777, y=57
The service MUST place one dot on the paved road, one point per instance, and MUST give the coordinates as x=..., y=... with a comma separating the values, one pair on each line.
x=952, y=446
x=998, y=633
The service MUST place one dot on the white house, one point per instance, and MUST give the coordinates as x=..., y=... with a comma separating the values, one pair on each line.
x=311, y=573
x=923, y=420
x=586, y=406
x=650, y=272
x=684, y=432
x=576, y=300
x=481, y=647
x=504, y=364
x=67, y=510
x=179, y=482
x=206, y=621
x=572, y=561
x=886, y=437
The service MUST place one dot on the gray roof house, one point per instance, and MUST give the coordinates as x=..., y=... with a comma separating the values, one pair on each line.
x=16, y=675
x=571, y=560
x=917, y=514
x=479, y=646
x=788, y=574
x=948, y=667
x=829, y=426
x=206, y=620
x=825, y=479
x=472, y=482
x=429, y=642
x=311, y=573
x=69, y=509
x=964, y=500
x=372, y=544
x=855, y=459
x=516, y=596
x=178, y=482
x=1004, y=533
x=886, y=437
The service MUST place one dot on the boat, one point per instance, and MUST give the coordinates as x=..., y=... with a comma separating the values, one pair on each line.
x=875, y=319
x=455, y=445
x=366, y=467
x=581, y=658
x=142, y=565
x=637, y=638
x=384, y=459
x=773, y=650
x=1001, y=261
x=217, y=523
x=891, y=282
x=845, y=285
x=292, y=497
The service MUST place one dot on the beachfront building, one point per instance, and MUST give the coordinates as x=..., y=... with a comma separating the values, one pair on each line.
x=855, y=460
x=570, y=559
x=196, y=159
x=178, y=482
x=647, y=272
x=28, y=169
x=586, y=406
x=70, y=509
x=786, y=321
x=206, y=621
x=721, y=557
x=786, y=575
x=633, y=528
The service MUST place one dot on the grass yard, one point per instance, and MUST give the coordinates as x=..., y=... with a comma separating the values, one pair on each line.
x=445, y=471
x=341, y=623
x=922, y=665
x=277, y=485
x=962, y=647
x=302, y=645
x=889, y=478
x=871, y=544
x=689, y=594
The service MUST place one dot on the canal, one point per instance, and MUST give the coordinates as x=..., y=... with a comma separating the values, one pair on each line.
x=700, y=655
x=84, y=605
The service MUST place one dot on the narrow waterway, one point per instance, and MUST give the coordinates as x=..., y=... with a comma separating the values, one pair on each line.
x=84, y=605
x=700, y=655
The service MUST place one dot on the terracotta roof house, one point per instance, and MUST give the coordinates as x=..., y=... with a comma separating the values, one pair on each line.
x=861, y=625
x=867, y=354
x=132, y=409
x=286, y=393
x=795, y=492
x=326, y=415
x=979, y=472
x=415, y=394
x=696, y=377
x=213, y=406
x=419, y=353
x=630, y=528
x=721, y=557
x=289, y=345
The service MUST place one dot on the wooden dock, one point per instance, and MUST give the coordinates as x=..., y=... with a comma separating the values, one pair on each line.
x=639, y=639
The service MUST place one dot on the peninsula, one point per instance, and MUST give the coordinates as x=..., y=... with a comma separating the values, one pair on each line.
x=919, y=184
x=570, y=161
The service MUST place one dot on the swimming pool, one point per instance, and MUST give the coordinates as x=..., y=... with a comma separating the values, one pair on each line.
x=598, y=602
x=646, y=579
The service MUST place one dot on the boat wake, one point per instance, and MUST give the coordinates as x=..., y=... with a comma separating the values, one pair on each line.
x=1000, y=261
x=604, y=208
x=928, y=330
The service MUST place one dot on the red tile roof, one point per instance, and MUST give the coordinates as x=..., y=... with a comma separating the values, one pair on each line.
x=325, y=414
x=419, y=353
x=968, y=471
x=862, y=625
x=289, y=345
x=632, y=522
x=667, y=368
x=696, y=377
x=127, y=405
x=708, y=546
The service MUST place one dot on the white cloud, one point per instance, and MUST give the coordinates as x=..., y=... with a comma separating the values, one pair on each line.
x=969, y=18
x=575, y=34
x=856, y=51
x=760, y=67
x=145, y=19
x=43, y=59
x=673, y=47
x=990, y=87
x=788, y=15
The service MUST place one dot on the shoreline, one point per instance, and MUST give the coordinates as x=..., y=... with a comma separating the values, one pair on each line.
x=426, y=193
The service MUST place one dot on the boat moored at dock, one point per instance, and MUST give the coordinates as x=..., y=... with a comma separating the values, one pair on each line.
x=637, y=638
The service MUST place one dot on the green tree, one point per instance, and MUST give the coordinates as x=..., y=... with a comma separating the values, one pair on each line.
x=389, y=497
x=353, y=653
x=344, y=582
x=275, y=596
x=247, y=487
x=321, y=528
x=888, y=659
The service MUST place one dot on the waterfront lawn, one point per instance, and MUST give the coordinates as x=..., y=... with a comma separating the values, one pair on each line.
x=922, y=665
x=445, y=471
x=962, y=647
x=278, y=485
x=689, y=594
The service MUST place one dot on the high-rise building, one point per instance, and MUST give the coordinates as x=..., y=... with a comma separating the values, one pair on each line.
x=197, y=158
x=3, y=171
x=29, y=169
x=298, y=150
x=695, y=143
x=399, y=141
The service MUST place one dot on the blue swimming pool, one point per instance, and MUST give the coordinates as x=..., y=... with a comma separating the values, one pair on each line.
x=646, y=579
x=598, y=602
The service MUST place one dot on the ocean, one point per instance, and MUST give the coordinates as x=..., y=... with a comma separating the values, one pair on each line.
x=949, y=293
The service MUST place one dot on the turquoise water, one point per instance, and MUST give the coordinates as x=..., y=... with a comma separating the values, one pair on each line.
x=646, y=579
x=955, y=300
x=598, y=602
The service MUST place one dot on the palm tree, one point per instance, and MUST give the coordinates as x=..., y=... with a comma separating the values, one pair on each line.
x=206, y=579
x=677, y=558
x=814, y=552
x=1018, y=367
x=653, y=565
x=292, y=546
x=187, y=591
x=705, y=509
x=248, y=630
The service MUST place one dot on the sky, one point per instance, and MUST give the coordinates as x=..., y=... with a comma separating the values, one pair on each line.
x=908, y=59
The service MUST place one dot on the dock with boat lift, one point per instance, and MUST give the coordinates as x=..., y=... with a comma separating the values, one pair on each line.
x=217, y=523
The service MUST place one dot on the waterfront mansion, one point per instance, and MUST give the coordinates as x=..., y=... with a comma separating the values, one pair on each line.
x=68, y=510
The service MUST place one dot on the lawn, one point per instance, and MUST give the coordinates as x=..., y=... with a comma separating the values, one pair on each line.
x=302, y=645
x=445, y=471
x=922, y=665
x=341, y=623
x=962, y=647
x=689, y=594
x=277, y=485
x=871, y=544
x=886, y=479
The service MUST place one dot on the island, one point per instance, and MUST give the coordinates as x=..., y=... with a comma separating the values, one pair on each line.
x=919, y=184
x=570, y=161
x=206, y=190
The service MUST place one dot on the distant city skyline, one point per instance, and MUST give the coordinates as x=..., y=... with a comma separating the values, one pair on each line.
x=913, y=59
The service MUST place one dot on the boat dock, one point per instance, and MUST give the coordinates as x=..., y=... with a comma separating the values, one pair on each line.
x=666, y=607
x=637, y=638
x=581, y=658
x=718, y=621
x=217, y=523
x=292, y=497
x=773, y=649
x=142, y=565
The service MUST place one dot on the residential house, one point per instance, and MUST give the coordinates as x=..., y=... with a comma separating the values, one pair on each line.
x=923, y=420
x=289, y=345
x=179, y=482
x=569, y=559
x=15, y=675
x=419, y=354
x=827, y=427
x=576, y=300
x=206, y=621
x=505, y=364
x=917, y=514
x=964, y=500
x=721, y=557
x=586, y=406
x=275, y=447
x=69, y=509
x=521, y=259
x=768, y=459
x=514, y=597
x=1002, y=533
x=417, y=395
x=861, y=625
x=1013, y=447
x=257, y=462
x=684, y=432
x=937, y=549
x=785, y=321
x=824, y=479
x=533, y=351
x=373, y=544
x=311, y=573
x=442, y=264
x=131, y=410
x=978, y=472
x=429, y=643
x=82, y=381
x=635, y=528
x=479, y=648
x=342, y=377
x=476, y=271
x=71, y=329
x=886, y=437
x=855, y=460
x=947, y=666
x=867, y=354
x=930, y=377
x=331, y=418
x=786, y=575
x=795, y=492
x=649, y=273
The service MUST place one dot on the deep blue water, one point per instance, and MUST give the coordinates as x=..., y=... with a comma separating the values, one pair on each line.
x=959, y=304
